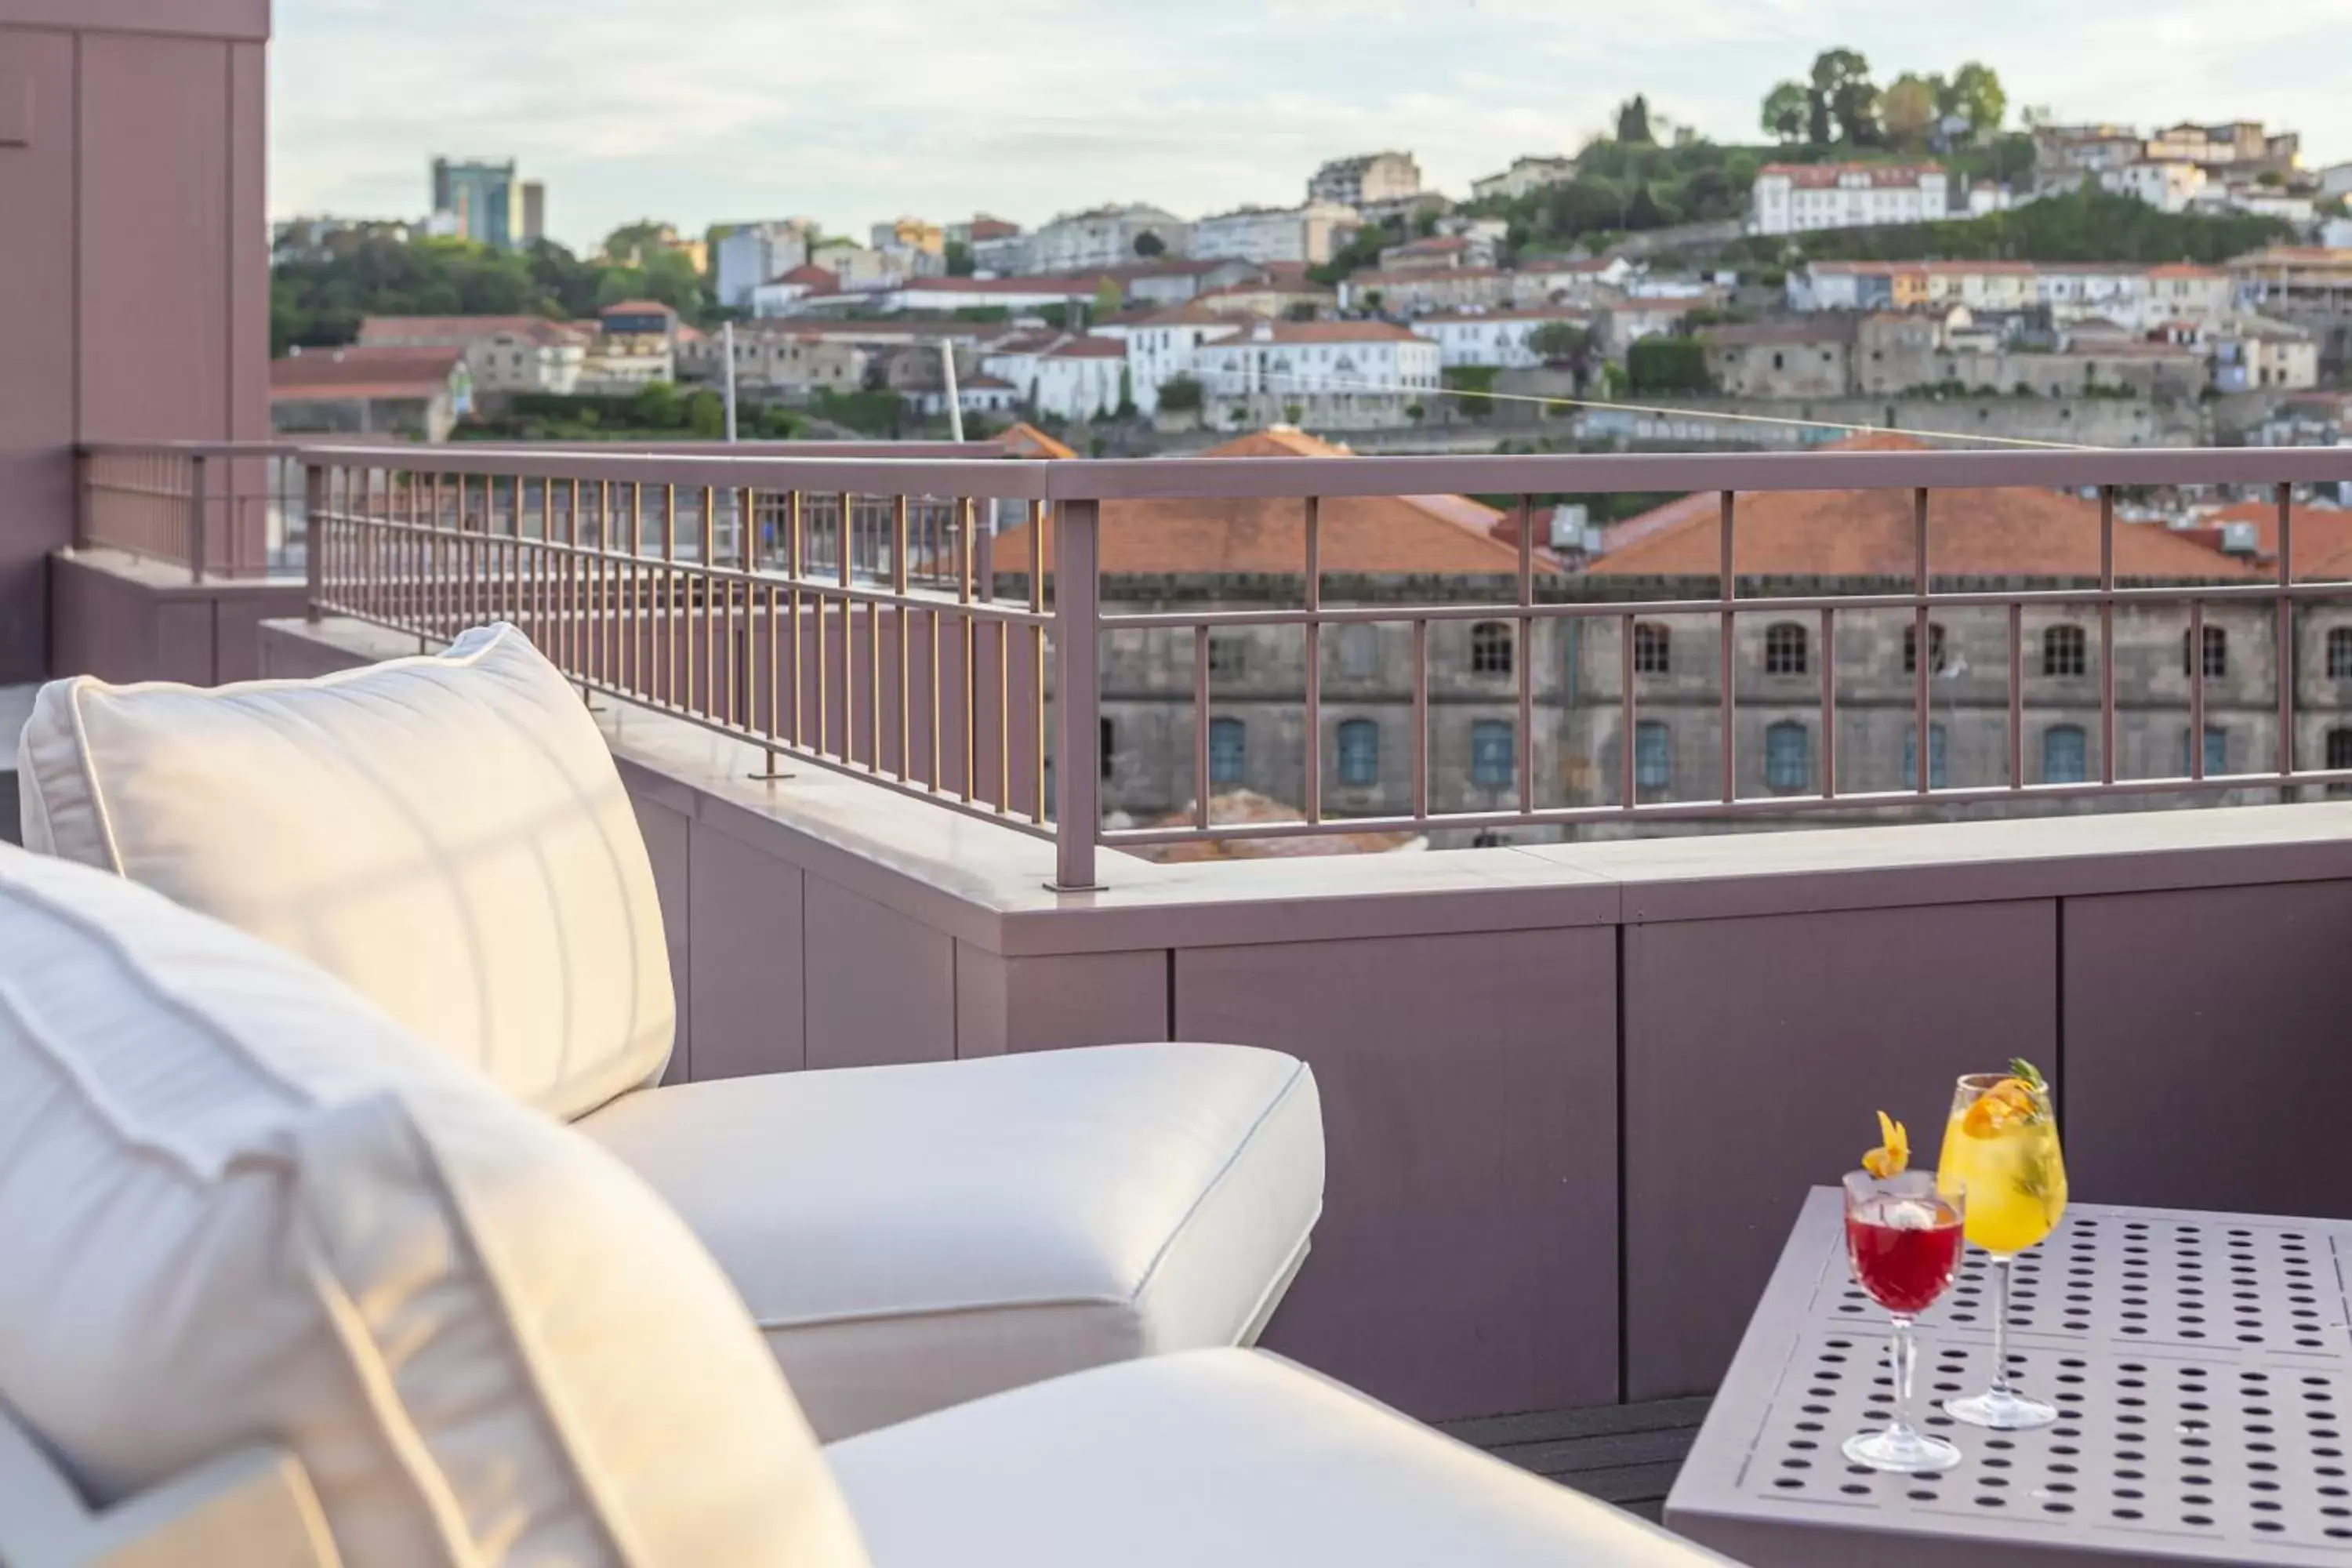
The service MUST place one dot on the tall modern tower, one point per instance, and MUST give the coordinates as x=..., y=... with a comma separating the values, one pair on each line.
x=485, y=200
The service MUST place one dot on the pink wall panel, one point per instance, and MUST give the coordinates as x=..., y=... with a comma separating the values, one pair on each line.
x=156, y=220
x=668, y=844
x=1466, y=1262
x=36, y=368
x=1052, y=1003
x=247, y=19
x=2209, y=1065
x=1755, y=1051
x=747, y=959
x=880, y=986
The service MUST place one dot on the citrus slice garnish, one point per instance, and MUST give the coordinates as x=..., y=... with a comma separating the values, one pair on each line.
x=1893, y=1156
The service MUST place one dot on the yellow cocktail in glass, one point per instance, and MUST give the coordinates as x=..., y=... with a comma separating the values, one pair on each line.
x=2000, y=1149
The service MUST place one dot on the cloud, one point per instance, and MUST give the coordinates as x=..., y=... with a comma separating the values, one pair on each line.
x=1028, y=108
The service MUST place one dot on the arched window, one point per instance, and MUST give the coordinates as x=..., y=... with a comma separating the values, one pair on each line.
x=1654, y=649
x=1490, y=649
x=1359, y=753
x=1935, y=757
x=1787, y=756
x=1109, y=745
x=1492, y=749
x=2065, y=754
x=1911, y=648
x=2217, y=752
x=2064, y=652
x=2339, y=653
x=2217, y=653
x=1228, y=751
x=1785, y=649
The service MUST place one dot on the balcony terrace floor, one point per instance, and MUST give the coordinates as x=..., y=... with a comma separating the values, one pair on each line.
x=1622, y=1453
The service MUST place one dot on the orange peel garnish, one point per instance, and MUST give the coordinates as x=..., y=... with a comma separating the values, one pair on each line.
x=2009, y=1104
x=1893, y=1156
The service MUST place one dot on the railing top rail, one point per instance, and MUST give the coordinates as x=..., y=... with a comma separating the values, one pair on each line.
x=187, y=448
x=944, y=469
x=997, y=478
x=1572, y=473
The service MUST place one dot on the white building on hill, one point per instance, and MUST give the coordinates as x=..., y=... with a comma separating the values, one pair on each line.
x=1799, y=198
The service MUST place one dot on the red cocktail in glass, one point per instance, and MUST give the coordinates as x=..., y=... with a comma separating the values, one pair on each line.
x=1903, y=1237
x=1904, y=1250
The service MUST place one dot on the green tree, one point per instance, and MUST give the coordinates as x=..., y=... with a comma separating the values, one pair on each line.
x=1108, y=298
x=1668, y=366
x=629, y=244
x=957, y=256
x=1292, y=414
x=1181, y=395
x=1845, y=103
x=1126, y=393
x=1907, y=111
x=1149, y=246
x=1558, y=343
x=706, y=416
x=1975, y=93
x=1642, y=211
x=1633, y=121
x=1788, y=111
x=1471, y=384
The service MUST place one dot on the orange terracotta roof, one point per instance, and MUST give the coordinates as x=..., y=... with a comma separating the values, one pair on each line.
x=2322, y=537
x=391, y=332
x=1027, y=441
x=2009, y=532
x=1374, y=535
x=368, y=372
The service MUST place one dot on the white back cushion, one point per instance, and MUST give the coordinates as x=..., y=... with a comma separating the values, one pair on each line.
x=448, y=833
x=237, y=1205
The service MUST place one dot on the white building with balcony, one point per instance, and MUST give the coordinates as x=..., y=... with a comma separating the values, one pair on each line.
x=1801, y=198
x=1065, y=374
x=1162, y=347
x=1331, y=374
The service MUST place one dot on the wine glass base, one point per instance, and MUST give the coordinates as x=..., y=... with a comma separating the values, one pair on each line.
x=2001, y=1410
x=1903, y=1453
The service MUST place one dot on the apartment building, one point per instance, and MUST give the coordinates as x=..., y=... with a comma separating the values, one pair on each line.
x=482, y=200
x=1500, y=338
x=1440, y=251
x=1366, y=180
x=859, y=268
x=753, y=253
x=1165, y=345
x=1331, y=374
x=2259, y=355
x=1803, y=358
x=792, y=362
x=1419, y=292
x=637, y=345
x=1068, y=375
x=1107, y=236
x=1525, y=175
x=2167, y=185
x=503, y=354
x=1801, y=198
x=1305, y=235
x=2137, y=296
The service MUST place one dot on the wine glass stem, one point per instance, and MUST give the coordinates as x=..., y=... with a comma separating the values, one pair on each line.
x=1902, y=1356
x=2000, y=1325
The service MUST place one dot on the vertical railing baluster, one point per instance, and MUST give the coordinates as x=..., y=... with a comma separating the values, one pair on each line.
x=2197, y=689
x=1314, y=660
x=2107, y=634
x=1923, y=750
x=1726, y=668
x=1829, y=703
x=2286, y=639
x=2017, y=697
x=705, y=584
x=1078, y=780
x=1526, y=660
x=964, y=588
x=1421, y=719
x=903, y=612
x=1201, y=721
x=1629, y=720
x=1038, y=514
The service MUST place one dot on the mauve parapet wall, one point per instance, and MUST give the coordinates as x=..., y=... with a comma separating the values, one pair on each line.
x=133, y=145
x=1575, y=1093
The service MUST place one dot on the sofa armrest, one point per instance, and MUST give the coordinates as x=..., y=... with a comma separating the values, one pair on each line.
x=255, y=1509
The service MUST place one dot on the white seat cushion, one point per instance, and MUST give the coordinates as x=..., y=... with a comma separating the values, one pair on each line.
x=1229, y=1457
x=240, y=1207
x=911, y=1236
x=448, y=835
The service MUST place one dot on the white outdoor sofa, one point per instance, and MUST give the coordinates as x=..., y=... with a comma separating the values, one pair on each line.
x=286, y=1282
x=449, y=836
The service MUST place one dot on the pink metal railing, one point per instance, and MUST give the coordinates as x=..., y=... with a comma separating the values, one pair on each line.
x=217, y=508
x=725, y=589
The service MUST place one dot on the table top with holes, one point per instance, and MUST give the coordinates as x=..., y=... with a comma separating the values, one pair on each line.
x=2200, y=1363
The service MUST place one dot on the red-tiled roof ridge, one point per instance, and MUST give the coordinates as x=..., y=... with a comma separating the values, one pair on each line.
x=1374, y=535
x=2014, y=532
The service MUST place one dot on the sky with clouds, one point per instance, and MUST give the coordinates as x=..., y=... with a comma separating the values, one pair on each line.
x=854, y=110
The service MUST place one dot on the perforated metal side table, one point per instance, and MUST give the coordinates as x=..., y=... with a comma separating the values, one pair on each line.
x=2200, y=1363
